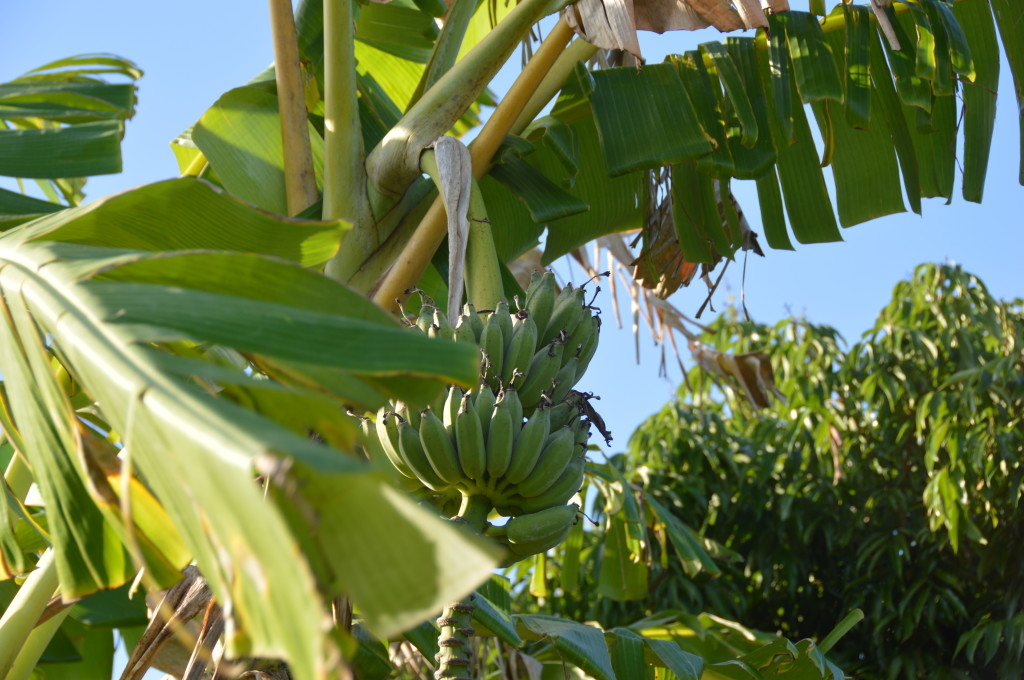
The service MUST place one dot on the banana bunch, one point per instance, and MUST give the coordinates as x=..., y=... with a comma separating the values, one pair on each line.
x=481, y=445
x=541, y=349
x=516, y=443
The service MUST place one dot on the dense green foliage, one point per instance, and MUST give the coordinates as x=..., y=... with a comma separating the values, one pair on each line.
x=888, y=477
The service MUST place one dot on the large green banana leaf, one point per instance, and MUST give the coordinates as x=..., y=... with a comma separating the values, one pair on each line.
x=140, y=297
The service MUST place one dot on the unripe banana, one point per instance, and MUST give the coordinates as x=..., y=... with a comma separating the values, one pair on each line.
x=500, y=437
x=540, y=531
x=492, y=342
x=521, y=348
x=464, y=332
x=472, y=318
x=540, y=298
x=565, y=379
x=565, y=487
x=582, y=334
x=437, y=444
x=484, y=403
x=441, y=322
x=387, y=434
x=543, y=369
x=450, y=410
x=469, y=438
x=425, y=319
x=528, y=446
x=403, y=411
x=589, y=349
x=562, y=413
x=566, y=315
x=515, y=408
x=554, y=458
x=504, y=318
x=415, y=457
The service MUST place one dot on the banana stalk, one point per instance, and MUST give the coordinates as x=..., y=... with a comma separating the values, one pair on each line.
x=25, y=609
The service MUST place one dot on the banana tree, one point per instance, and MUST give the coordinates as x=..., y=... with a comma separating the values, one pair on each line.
x=178, y=361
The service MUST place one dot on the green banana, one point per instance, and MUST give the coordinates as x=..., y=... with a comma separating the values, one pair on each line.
x=565, y=379
x=387, y=434
x=540, y=298
x=425, y=319
x=590, y=348
x=528, y=446
x=538, y=532
x=471, y=317
x=450, y=410
x=492, y=341
x=437, y=444
x=515, y=409
x=415, y=457
x=469, y=438
x=582, y=334
x=444, y=328
x=464, y=332
x=556, y=455
x=500, y=436
x=562, y=413
x=543, y=369
x=504, y=318
x=521, y=348
x=566, y=314
x=484, y=403
x=565, y=487
x=403, y=411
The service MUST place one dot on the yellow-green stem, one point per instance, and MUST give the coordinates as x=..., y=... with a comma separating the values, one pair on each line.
x=412, y=262
x=446, y=48
x=578, y=50
x=394, y=163
x=18, y=476
x=344, y=173
x=25, y=609
x=299, y=177
x=35, y=645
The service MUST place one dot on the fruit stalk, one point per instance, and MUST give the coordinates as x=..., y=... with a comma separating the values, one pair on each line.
x=455, y=625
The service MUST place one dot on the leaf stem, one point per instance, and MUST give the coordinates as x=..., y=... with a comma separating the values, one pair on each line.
x=299, y=177
x=34, y=646
x=446, y=49
x=25, y=609
x=412, y=262
x=344, y=174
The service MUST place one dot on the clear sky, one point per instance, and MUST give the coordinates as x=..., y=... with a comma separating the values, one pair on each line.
x=192, y=51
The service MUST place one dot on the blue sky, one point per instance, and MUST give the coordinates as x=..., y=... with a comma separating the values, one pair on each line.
x=193, y=51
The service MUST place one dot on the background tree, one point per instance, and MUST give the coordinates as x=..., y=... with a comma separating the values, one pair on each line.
x=885, y=477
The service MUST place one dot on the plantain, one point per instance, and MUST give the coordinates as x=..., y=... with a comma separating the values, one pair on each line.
x=566, y=315
x=500, y=437
x=538, y=532
x=469, y=439
x=563, y=412
x=528, y=446
x=540, y=298
x=415, y=457
x=589, y=348
x=437, y=445
x=464, y=332
x=543, y=369
x=554, y=458
x=425, y=319
x=521, y=348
